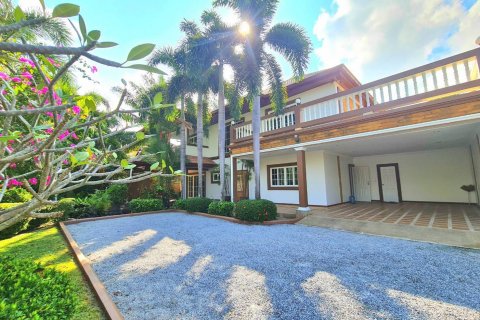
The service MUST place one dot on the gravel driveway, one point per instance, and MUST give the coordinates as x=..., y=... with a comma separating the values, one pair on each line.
x=179, y=266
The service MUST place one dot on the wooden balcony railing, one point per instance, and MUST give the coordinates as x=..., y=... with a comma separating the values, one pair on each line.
x=442, y=77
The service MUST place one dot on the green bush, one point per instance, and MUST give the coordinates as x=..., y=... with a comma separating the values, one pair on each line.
x=29, y=291
x=197, y=204
x=117, y=193
x=144, y=205
x=14, y=229
x=97, y=204
x=180, y=204
x=221, y=208
x=5, y=206
x=16, y=195
x=255, y=210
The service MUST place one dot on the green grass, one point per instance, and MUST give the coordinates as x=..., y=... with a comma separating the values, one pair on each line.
x=48, y=247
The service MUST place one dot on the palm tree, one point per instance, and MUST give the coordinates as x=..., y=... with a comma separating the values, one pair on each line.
x=288, y=39
x=205, y=79
x=179, y=86
x=222, y=40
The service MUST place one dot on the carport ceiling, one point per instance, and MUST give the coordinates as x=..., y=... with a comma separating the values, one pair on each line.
x=410, y=141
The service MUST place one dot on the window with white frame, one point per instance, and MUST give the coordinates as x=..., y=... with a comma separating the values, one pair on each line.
x=215, y=177
x=283, y=176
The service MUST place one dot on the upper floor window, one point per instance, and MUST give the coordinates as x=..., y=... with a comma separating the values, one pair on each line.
x=192, y=140
x=283, y=176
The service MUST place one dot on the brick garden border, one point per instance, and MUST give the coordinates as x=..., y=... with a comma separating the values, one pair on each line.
x=103, y=297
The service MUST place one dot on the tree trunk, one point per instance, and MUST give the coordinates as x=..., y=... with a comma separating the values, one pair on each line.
x=183, y=148
x=221, y=131
x=200, y=143
x=256, y=144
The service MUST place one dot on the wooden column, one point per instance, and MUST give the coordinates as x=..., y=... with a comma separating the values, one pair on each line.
x=234, y=179
x=302, y=178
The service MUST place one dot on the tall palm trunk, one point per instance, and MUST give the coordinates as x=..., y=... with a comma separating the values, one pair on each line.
x=183, y=148
x=221, y=130
x=256, y=143
x=200, y=143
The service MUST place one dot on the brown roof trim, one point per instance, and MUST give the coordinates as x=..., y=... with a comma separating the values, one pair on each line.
x=338, y=73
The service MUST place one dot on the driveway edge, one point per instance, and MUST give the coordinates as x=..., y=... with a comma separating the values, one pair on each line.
x=109, y=307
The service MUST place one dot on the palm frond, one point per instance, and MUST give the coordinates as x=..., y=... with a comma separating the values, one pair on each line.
x=292, y=42
x=273, y=73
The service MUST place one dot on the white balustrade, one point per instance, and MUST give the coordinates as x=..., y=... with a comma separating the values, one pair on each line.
x=447, y=75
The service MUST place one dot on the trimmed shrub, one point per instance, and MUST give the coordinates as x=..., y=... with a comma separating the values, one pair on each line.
x=197, y=204
x=221, y=208
x=16, y=195
x=29, y=291
x=180, y=204
x=13, y=230
x=117, y=193
x=144, y=205
x=255, y=210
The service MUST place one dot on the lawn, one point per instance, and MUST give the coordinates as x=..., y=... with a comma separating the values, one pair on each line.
x=48, y=247
x=180, y=266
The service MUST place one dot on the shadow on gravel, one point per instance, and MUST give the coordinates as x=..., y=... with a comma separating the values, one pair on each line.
x=181, y=266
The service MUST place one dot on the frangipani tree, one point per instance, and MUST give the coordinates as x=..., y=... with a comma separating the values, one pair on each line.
x=51, y=141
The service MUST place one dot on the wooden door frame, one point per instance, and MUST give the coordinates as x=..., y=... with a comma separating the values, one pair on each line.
x=246, y=186
x=397, y=174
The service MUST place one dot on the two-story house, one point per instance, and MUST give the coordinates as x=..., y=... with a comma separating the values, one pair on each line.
x=413, y=136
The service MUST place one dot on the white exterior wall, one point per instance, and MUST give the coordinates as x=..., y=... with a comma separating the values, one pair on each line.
x=277, y=196
x=475, y=158
x=432, y=175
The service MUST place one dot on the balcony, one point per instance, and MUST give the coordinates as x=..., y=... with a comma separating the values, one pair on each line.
x=449, y=77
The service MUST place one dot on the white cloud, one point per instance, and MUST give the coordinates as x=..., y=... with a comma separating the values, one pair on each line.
x=378, y=38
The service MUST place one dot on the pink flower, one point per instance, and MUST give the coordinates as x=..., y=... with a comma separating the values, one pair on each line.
x=76, y=109
x=14, y=182
x=13, y=165
x=73, y=145
x=49, y=130
x=74, y=136
x=65, y=162
x=4, y=76
x=50, y=114
x=53, y=62
x=64, y=135
x=16, y=79
x=27, y=75
x=94, y=69
x=43, y=91
x=25, y=60
x=49, y=179
x=33, y=181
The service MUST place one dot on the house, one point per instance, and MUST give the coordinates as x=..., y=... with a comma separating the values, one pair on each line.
x=413, y=136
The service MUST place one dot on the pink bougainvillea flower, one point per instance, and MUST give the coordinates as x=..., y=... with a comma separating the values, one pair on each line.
x=16, y=79
x=36, y=159
x=73, y=145
x=43, y=91
x=13, y=165
x=65, y=162
x=49, y=130
x=4, y=76
x=14, y=182
x=25, y=60
x=74, y=136
x=49, y=179
x=27, y=75
x=33, y=181
x=94, y=69
x=4, y=92
x=50, y=114
x=53, y=62
x=76, y=109
x=64, y=135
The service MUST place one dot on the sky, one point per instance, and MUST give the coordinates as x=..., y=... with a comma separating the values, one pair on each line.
x=374, y=38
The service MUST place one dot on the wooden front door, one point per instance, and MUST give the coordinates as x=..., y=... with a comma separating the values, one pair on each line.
x=242, y=185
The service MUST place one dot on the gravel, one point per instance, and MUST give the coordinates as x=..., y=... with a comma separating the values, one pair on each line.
x=179, y=266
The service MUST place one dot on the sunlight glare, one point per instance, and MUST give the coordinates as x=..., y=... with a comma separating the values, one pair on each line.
x=244, y=28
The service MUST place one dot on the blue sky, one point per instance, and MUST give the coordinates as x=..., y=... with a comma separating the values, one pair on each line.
x=374, y=38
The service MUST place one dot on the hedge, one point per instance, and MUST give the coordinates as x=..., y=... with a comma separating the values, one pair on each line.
x=144, y=205
x=221, y=208
x=255, y=210
x=29, y=291
x=117, y=193
x=197, y=204
x=17, y=194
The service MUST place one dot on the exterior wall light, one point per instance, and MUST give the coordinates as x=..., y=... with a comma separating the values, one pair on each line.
x=298, y=101
x=296, y=138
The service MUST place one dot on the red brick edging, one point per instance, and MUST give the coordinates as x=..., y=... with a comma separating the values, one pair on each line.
x=104, y=299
